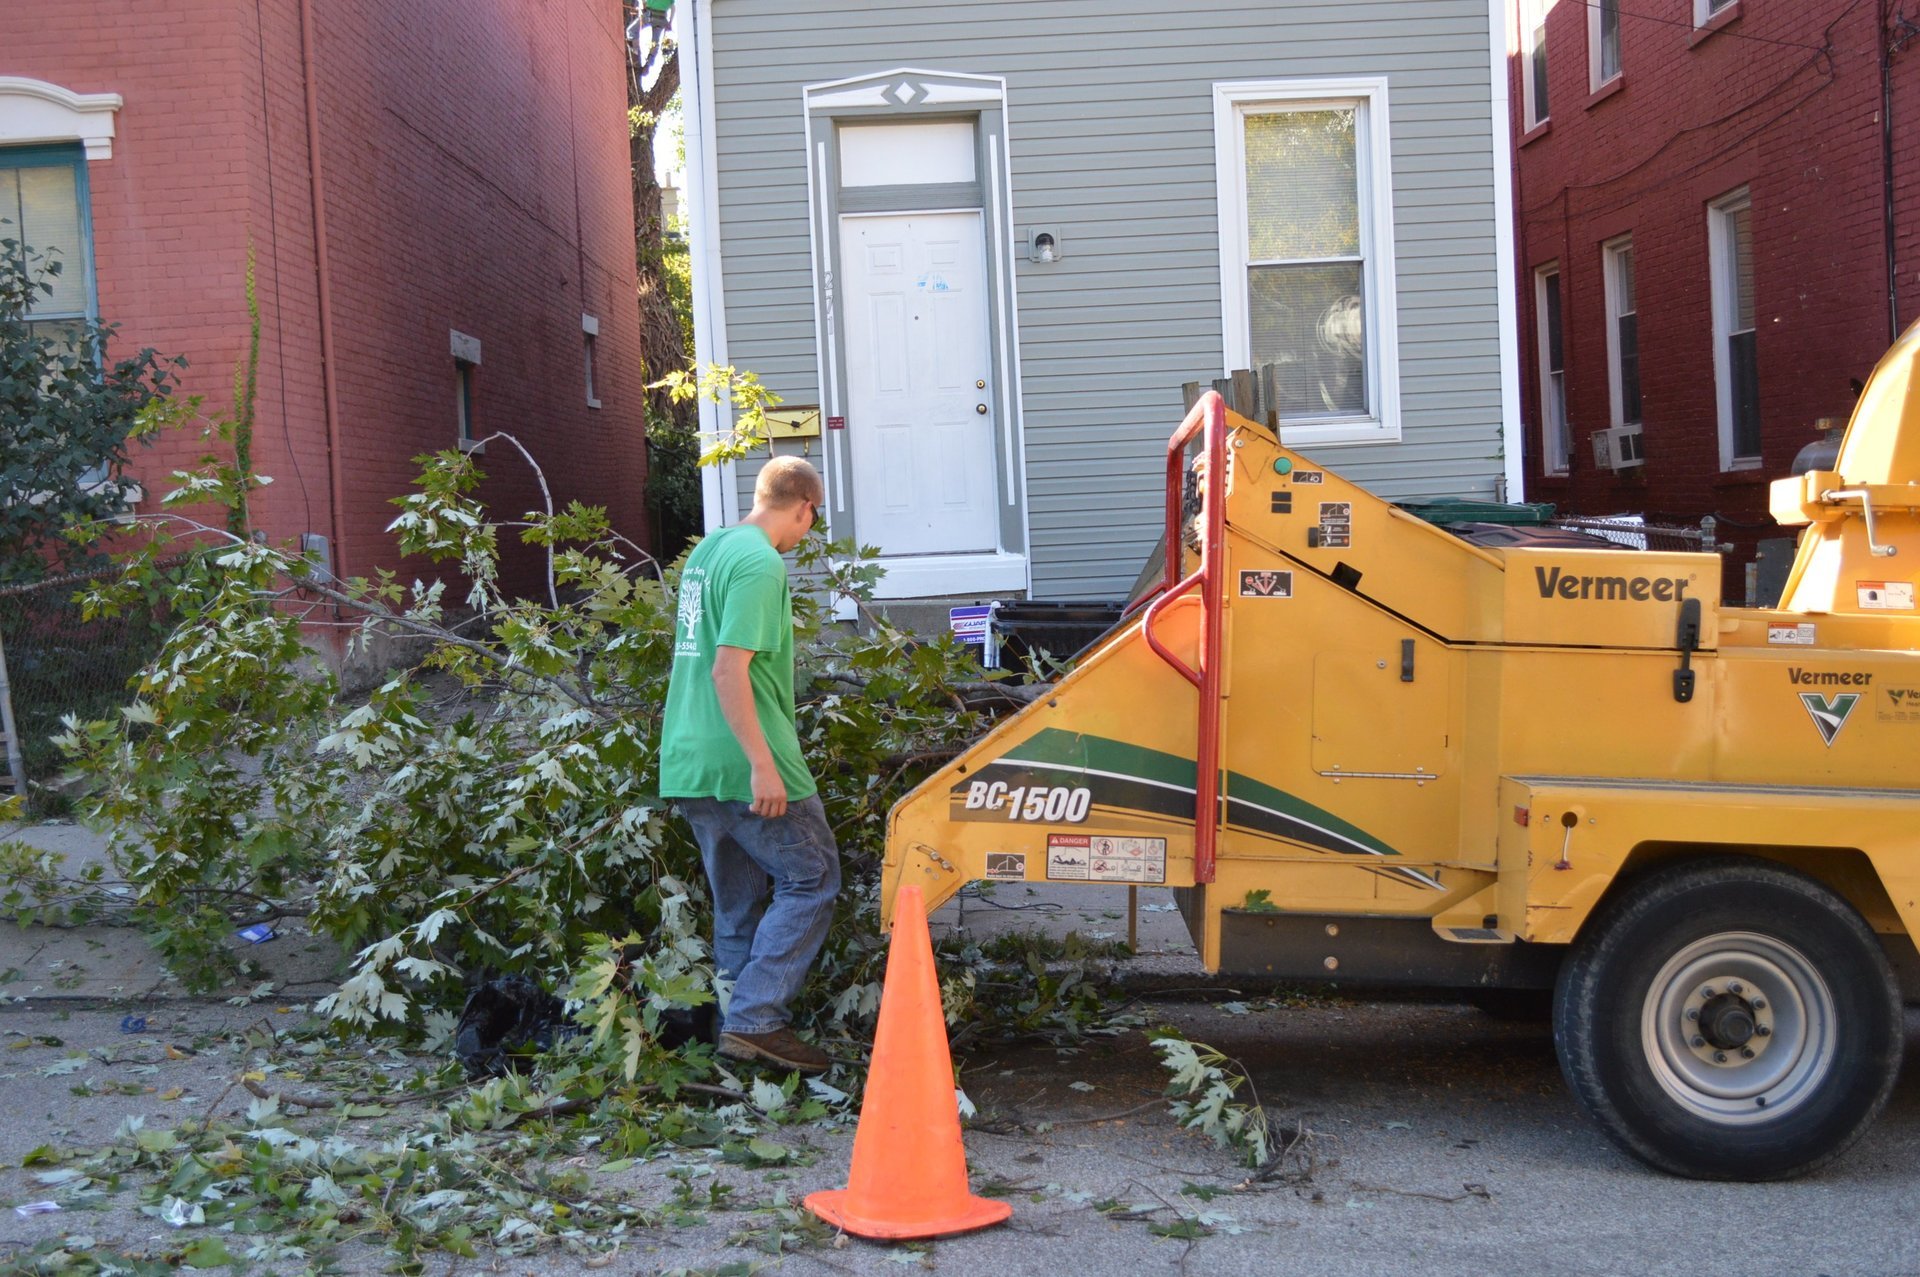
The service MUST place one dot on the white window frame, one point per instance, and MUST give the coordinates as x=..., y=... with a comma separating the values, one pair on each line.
x=1232, y=102
x=1533, y=19
x=1724, y=280
x=1705, y=11
x=463, y=407
x=1595, y=80
x=590, y=330
x=1610, y=276
x=1556, y=435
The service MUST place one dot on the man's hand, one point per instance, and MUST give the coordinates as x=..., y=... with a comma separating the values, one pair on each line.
x=735, y=690
x=769, y=791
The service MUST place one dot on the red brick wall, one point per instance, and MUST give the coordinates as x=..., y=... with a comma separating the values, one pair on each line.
x=170, y=208
x=1785, y=100
x=475, y=159
x=474, y=154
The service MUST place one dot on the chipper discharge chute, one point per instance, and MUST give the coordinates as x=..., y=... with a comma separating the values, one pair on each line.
x=1454, y=766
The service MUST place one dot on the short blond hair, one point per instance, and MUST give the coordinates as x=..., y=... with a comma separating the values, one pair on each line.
x=785, y=482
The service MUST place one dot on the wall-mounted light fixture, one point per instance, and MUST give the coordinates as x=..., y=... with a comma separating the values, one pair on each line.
x=1043, y=246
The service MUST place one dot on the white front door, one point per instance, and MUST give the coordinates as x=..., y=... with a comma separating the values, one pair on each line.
x=920, y=417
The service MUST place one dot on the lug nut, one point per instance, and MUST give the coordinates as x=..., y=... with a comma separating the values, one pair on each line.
x=1764, y=1031
x=1707, y=992
x=1746, y=1052
x=1735, y=987
x=1719, y=1057
x=1698, y=1041
x=1759, y=1004
x=1693, y=1013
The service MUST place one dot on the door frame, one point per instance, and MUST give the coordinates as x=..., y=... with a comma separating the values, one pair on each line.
x=908, y=95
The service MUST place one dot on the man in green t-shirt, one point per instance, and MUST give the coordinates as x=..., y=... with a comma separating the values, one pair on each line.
x=730, y=756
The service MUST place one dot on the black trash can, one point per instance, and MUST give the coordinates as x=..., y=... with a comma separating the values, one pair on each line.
x=1063, y=630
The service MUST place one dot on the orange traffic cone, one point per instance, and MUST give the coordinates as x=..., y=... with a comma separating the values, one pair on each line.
x=909, y=1176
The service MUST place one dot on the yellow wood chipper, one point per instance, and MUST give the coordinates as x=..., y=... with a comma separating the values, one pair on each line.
x=1361, y=748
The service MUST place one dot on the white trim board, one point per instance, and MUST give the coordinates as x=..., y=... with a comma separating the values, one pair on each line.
x=719, y=487
x=34, y=111
x=1502, y=36
x=919, y=576
x=1231, y=98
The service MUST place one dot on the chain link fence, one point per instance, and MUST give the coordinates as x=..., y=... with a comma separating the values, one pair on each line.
x=59, y=663
x=1635, y=533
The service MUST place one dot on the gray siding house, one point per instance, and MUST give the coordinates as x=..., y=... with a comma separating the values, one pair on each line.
x=987, y=242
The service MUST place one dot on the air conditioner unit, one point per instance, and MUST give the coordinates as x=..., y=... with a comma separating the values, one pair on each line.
x=1618, y=448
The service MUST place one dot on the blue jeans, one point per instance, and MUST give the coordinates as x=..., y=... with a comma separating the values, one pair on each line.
x=774, y=883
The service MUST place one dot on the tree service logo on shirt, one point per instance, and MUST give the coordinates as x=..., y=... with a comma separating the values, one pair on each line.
x=690, y=589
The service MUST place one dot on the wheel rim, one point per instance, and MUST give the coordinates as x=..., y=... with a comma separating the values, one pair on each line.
x=1739, y=1028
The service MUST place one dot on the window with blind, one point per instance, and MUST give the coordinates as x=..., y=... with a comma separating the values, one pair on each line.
x=1735, y=355
x=1533, y=66
x=1603, y=40
x=1556, y=438
x=1623, y=331
x=43, y=210
x=1307, y=236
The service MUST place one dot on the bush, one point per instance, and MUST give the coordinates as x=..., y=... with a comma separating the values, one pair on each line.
x=67, y=414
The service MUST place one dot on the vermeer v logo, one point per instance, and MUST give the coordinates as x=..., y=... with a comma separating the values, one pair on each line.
x=1829, y=715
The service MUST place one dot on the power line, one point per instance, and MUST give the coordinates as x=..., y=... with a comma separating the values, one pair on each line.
x=1822, y=52
x=1728, y=32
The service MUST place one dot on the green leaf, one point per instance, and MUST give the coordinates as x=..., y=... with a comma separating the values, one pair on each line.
x=767, y=1150
x=1186, y=1228
x=207, y=1252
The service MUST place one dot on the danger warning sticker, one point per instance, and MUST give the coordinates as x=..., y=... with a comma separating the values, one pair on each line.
x=1885, y=596
x=1266, y=584
x=1801, y=634
x=1006, y=866
x=1099, y=858
x=1336, y=525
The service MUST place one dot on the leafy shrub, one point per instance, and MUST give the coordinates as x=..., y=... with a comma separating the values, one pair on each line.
x=493, y=808
x=67, y=414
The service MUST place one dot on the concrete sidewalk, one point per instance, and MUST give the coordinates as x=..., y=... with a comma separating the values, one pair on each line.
x=117, y=964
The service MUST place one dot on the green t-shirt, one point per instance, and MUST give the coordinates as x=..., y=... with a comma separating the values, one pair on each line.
x=733, y=593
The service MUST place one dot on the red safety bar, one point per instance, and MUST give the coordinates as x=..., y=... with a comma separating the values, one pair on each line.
x=1209, y=413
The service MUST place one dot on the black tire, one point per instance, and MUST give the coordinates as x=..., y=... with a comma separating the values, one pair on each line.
x=1630, y=1013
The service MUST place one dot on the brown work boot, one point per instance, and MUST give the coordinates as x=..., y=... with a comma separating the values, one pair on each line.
x=778, y=1047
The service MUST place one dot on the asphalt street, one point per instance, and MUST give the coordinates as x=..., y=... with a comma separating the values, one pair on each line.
x=1437, y=1141
x=1434, y=1138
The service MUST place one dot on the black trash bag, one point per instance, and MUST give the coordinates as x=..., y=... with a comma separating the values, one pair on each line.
x=509, y=1020
x=506, y=1021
